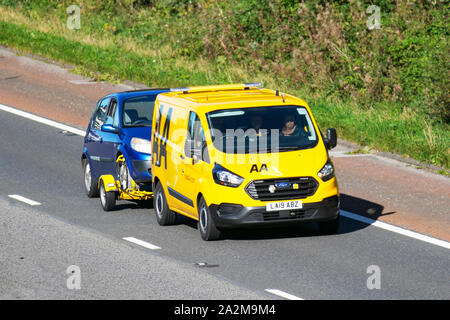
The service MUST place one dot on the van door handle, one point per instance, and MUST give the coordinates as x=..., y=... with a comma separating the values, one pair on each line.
x=182, y=157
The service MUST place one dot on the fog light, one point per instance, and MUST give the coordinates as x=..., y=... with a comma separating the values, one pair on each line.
x=228, y=209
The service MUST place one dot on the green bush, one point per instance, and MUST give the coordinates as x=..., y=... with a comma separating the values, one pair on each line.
x=387, y=88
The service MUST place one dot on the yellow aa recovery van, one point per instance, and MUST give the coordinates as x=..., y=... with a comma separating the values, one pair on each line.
x=241, y=156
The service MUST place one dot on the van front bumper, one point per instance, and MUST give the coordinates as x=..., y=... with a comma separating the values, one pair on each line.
x=229, y=215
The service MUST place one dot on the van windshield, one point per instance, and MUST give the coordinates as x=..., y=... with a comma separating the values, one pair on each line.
x=262, y=129
x=138, y=111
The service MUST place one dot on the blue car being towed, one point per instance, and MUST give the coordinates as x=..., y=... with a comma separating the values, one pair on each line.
x=120, y=125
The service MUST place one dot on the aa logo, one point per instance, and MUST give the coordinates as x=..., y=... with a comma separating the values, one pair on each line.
x=255, y=168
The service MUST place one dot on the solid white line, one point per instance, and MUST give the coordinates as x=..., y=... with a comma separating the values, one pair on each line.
x=23, y=199
x=390, y=227
x=350, y=215
x=283, y=294
x=48, y=122
x=141, y=243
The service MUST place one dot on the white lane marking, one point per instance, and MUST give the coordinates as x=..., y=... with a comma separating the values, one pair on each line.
x=48, y=122
x=142, y=243
x=350, y=215
x=283, y=294
x=390, y=227
x=23, y=199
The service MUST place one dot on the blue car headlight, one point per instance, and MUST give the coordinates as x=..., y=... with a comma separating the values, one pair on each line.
x=141, y=145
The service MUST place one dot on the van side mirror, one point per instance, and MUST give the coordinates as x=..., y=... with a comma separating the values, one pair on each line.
x=109, y=128
x=331, y=139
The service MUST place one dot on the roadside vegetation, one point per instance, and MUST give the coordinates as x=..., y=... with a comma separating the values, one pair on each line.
x=385, y=88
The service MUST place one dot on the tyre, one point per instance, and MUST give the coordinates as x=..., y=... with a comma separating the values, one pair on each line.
x=329, y=227
x=107, y=199
x=90, y=185
x=206, y=224
x=164, y=216
x=124, y=175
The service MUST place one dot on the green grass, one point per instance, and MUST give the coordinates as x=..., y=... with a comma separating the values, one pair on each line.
x=110, y=63
x=130, y=51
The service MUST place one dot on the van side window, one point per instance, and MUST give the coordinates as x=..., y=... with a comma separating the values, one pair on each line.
x=100, y=114
x=195, y=133
x=191, y=124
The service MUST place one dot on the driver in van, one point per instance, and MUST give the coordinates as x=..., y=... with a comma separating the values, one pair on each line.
x=290, y=127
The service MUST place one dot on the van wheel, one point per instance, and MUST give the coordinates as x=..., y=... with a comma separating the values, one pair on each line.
x=329, y=227
x=107, y=199
x=206, y=224
x=90, y=185
x=164, y=216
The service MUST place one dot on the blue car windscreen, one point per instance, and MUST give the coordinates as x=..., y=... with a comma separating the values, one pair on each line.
x=138, y=111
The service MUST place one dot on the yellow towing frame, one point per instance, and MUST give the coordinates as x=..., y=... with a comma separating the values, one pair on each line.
x=111, y=185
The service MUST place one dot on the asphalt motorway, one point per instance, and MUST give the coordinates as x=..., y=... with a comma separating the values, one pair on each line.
x=42, y=163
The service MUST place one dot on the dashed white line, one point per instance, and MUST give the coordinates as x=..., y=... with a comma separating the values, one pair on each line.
x=390, y=227
x=283, y=294
x=23, y=199
x=141, y=243
x=42, y=120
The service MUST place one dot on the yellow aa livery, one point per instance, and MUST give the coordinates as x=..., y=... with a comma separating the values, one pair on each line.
x=240, y=156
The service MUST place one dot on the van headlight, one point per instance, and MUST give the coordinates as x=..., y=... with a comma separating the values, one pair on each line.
x=327, y=172
x=225, y=177
x=141, y=145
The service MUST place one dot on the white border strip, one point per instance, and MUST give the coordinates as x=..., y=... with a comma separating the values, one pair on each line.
x=42, y=120
x=283, y=294
x=390, y=227
x=142, y=243
x=23, y=199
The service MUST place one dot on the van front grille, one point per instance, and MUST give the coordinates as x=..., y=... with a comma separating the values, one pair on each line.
x=282, y=189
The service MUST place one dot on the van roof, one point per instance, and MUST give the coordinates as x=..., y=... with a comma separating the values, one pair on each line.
x=208, y=98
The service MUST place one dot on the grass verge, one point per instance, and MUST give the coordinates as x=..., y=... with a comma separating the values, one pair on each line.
x=385, y=126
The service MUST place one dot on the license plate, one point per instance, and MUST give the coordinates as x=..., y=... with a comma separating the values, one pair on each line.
x=284, y=205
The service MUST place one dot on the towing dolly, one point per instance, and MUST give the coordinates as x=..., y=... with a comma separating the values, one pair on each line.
x=112, y=190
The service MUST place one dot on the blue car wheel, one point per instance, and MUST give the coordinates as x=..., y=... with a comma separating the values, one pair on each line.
x=124, y=175
x=90, y=185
